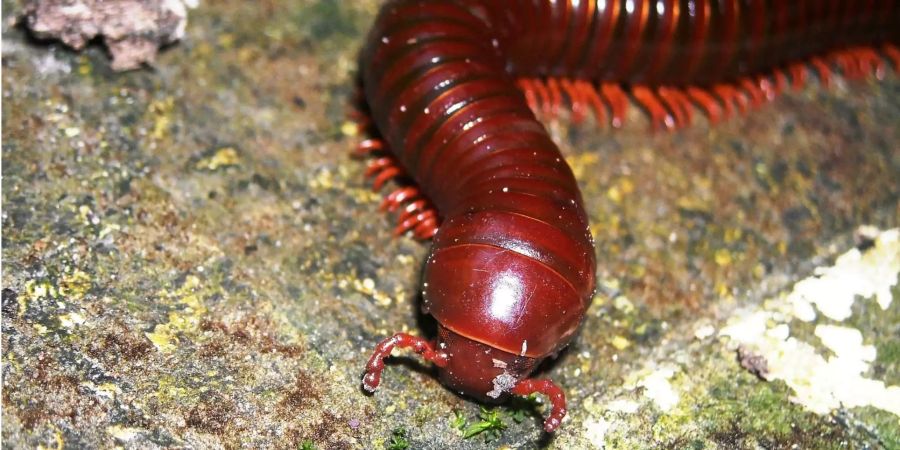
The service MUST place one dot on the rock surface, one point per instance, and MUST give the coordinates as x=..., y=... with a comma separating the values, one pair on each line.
x=192, y=259
x=133, y=30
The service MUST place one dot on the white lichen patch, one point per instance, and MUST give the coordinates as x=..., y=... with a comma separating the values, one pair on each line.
x=608, y=420
x=820, y=382
x=856, y=273
x=657, y=387
x=595, y=431
x=71, y=320
x=704, y=331
x=124, y=434
x=104, y=390
x=845, y=342
x=623, y=406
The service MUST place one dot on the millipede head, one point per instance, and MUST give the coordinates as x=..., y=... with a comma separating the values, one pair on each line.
x=474, y=369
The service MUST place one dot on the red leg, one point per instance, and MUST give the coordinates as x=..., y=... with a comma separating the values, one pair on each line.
x=396, y=198
x=385, y=168
x=893, y=53
x=840, y=59
x=384, y=176
x=616, y=97
x=593, y=99
x=417, y=214
x=871, y=63
x=725, y=95
x=853, y=68
x=742, y=100
x=757, y=97
x=780, y=81
x=822, y=70
x=849, y=62
x=681, y=97
x=413, y=221
x=543, y=95
x=427, y=228
x=372, y=378
x=361, y=119
x=377, y=165
x=528, y=89
x=731, y=96
x=658, y=114
x=707, y=102
x=413, y=208
x=670, y=98
x=555, y=96
x=556, y=396
x=798, y=75
x=575, y=98
x=767, y=87
x=368, y=146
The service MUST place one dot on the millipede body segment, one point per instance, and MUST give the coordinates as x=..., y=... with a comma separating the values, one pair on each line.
x=451, y=88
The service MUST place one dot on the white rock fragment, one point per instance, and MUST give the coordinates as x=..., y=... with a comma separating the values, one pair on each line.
x=133, y=30
x=502, y=383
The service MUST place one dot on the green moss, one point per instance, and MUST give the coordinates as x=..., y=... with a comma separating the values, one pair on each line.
x=735, y=409
x=883, y=425
x=326, y=20
x=879, y=328
x=398, y=440
x=489, y=425
x=888, y=355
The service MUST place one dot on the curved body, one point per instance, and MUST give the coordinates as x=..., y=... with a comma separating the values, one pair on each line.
x=679, y=42
x=511, y=270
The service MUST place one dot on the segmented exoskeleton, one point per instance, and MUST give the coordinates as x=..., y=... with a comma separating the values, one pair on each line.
x=451, y=87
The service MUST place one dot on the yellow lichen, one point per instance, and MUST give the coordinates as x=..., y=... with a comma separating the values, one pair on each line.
x=223, y=157
x=619, y=342
x=162, y=338
x=226, y=40
x=349, y=129
x=622, y=188
x=36, y=290
x=324, y=179
x=623, y=304
x=165, y=335
x=579, y=163
x=723, y=257
x=168, y=390
x=160, y=112
x=75, y=285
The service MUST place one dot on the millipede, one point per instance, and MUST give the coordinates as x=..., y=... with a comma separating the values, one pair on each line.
x=451, y=92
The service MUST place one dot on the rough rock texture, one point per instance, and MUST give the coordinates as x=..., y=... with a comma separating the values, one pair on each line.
x=133, y=30
x=192, y=259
